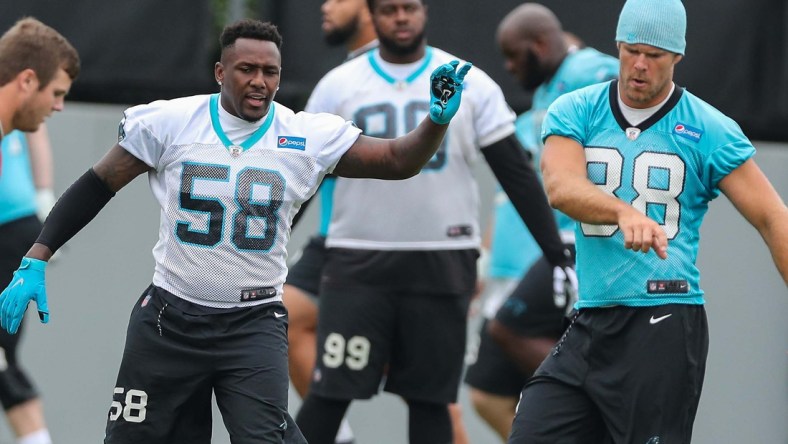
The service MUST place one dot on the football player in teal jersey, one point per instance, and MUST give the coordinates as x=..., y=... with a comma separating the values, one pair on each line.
x=25, y=199
x=636, y=162
x=548, y=62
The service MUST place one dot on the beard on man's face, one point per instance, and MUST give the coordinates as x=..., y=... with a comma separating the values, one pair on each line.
x=535, y=75
x=399, y=49
x=340, y=35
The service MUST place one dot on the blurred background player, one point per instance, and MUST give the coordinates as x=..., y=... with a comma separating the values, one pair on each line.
x=400, y=271
x=347, y=23
x=636, y=162
x=25, y=199
x=548, y=62
x=37, y=67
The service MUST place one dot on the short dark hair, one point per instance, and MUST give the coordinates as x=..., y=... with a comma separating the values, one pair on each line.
x=30, y=44
x=250, y=29
x=371, y=4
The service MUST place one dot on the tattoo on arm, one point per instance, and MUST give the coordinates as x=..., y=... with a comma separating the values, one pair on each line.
x=366, y=158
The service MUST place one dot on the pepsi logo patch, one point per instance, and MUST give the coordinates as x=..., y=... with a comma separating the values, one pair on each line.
x=687, y=132
x=294, y=143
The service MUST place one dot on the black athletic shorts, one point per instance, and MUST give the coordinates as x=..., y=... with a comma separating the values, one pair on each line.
x=619, y=374
x=16, y=237
x=306, y=272
x=375, y=322
x=532, y=309
x=178, y=353
x=493, y=371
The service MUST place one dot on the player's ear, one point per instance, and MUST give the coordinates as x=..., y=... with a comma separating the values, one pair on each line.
x=218, y=72
x=27, y=80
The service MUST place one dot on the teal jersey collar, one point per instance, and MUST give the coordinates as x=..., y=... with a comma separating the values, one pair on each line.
x=235, y=149
x=413, y=76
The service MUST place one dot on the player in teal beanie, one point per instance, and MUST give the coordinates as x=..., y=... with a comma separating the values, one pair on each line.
x=659, y=23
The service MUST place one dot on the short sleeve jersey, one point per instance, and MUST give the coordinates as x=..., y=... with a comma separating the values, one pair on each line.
x=438, y=208
x=228, y=190
x=668, y=167
x=17, y=190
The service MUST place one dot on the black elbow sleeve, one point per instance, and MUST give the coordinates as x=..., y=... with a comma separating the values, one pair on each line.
x=81, y=202
x=521, y=183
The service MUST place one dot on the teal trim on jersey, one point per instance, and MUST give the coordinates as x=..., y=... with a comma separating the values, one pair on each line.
x=17, y=189
x=413, y=76
x=326, y=203
x=248, y=143
x=660, y=173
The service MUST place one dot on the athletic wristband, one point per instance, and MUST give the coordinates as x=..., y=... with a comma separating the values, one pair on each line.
x=81, y=202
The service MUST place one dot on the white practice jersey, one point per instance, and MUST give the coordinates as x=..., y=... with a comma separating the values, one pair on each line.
x=438, y=209
x=228, y=190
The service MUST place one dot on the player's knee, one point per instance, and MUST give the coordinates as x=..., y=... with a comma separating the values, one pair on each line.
x=301, y=310
x=479, y=399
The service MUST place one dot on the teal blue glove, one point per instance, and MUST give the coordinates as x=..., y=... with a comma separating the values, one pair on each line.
x=27, y=285
x=446, y=90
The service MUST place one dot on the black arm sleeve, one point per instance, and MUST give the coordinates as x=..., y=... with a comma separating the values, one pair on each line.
x=81, y=202
x=509, y=162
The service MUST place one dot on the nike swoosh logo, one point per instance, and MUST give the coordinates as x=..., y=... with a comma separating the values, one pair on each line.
x=279, y=315
x=654, y=320
x=21, y=281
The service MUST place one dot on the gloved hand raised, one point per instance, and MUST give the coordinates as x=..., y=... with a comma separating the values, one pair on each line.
x=27, y=284
x=446, y=90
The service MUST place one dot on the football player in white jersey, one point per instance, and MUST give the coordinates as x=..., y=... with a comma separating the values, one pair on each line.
x=229, y=171
x=400, y=271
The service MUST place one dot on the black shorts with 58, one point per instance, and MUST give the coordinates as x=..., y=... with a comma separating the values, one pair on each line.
x=178, y=353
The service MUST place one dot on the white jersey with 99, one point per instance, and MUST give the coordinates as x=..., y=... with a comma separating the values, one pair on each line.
x=438, y=209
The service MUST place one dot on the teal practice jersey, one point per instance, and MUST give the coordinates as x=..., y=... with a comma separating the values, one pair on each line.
x=668, y=167
x=17, y=190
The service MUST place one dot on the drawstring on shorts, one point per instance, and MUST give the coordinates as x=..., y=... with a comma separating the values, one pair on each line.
x=557, y=347
x=158, y=319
